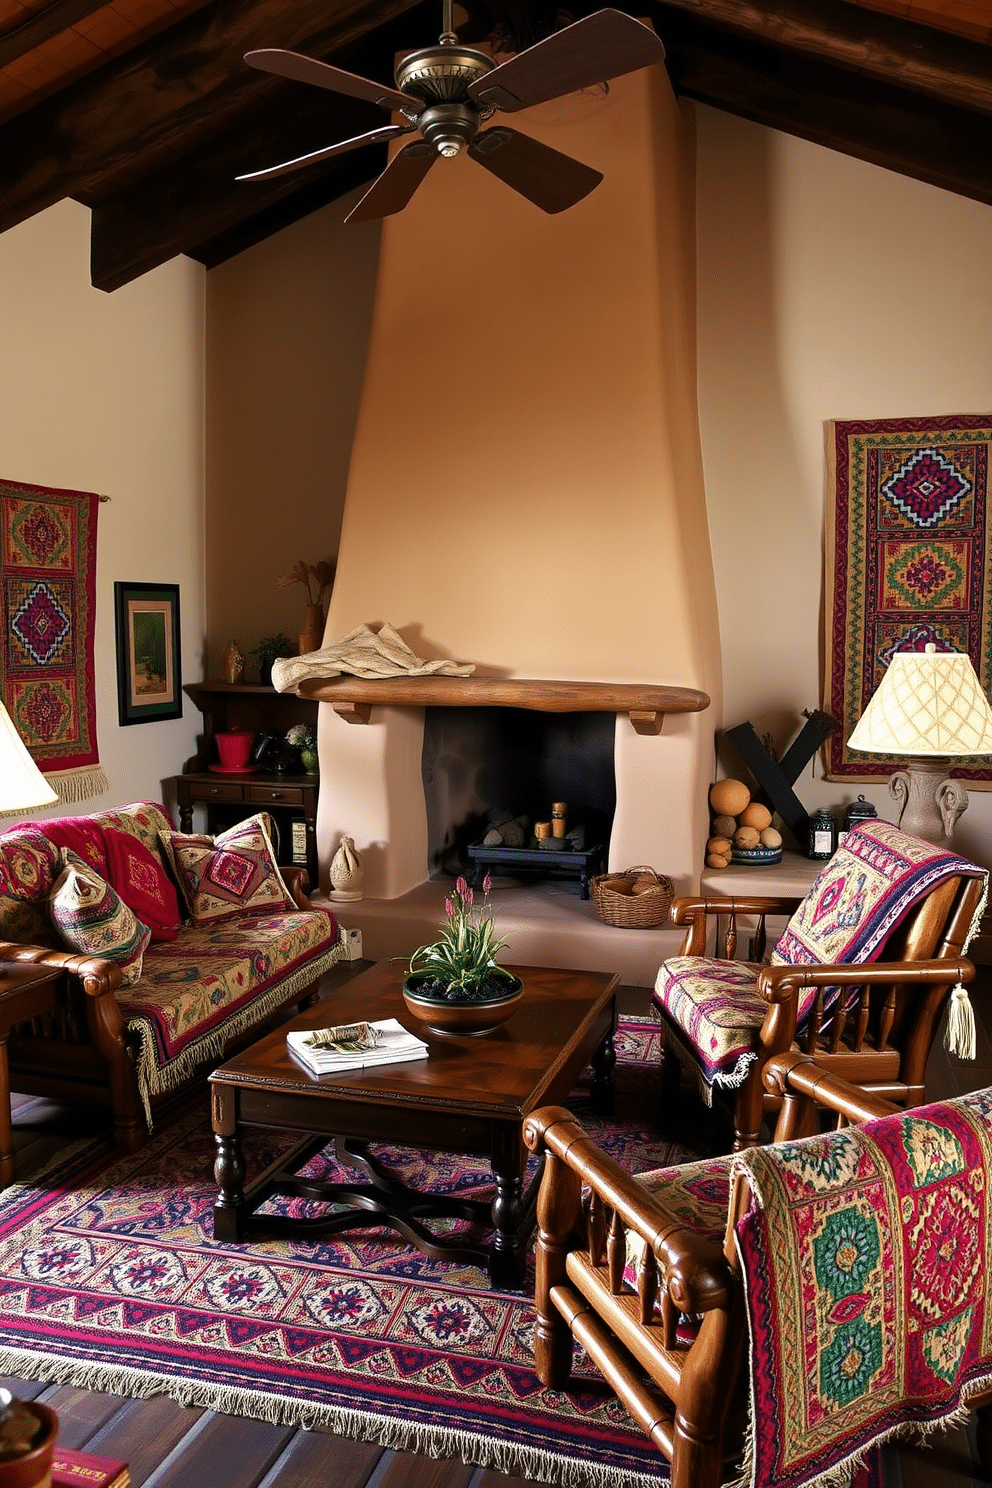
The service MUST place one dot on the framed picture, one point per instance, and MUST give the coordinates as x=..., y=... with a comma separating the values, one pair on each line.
x=149, y=675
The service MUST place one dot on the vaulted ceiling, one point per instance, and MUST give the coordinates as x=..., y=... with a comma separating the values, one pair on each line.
x=145, y=110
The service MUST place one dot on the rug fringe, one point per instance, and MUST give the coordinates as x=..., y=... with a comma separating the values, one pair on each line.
x=473, y=1448
x=159, y=1079
x=78, y=785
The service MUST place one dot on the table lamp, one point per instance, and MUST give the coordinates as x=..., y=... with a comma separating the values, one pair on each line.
x=930, y=707
x=22, y=784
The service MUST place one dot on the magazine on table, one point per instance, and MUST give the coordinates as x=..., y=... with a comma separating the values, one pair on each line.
x=347, y=1046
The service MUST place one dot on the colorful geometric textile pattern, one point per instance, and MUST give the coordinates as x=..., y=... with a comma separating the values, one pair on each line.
x=866, y=1254
x=109, y=1271
x=232, y=874
x=48, y=571
x=91, y=918
x=140, y=879
x=865, y=890
x=906, y=542
x=716, y=1006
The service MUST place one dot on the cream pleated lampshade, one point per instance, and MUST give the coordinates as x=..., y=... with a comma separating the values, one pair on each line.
x=928, y=702
x=22, y=784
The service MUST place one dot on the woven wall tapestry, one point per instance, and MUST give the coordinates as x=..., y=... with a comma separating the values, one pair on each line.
x=907, y=534
x=49, y=608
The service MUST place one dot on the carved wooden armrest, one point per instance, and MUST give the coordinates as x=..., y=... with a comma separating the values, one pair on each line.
x=96, y=975
x=697, y=912
x=780, y=984
x=297, y=881
x=694, y=1270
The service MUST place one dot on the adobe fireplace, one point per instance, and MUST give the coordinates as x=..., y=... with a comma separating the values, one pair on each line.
x=525, y=494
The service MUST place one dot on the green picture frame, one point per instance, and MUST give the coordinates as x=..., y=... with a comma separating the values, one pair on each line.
x=149, y=669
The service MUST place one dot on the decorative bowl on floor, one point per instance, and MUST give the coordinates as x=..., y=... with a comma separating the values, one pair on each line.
x=468, y=1017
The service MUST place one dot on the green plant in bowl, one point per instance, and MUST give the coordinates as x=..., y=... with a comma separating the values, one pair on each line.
x=269, y=648
x=455, y=984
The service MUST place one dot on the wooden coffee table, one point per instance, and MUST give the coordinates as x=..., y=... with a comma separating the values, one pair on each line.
x=470, y=1095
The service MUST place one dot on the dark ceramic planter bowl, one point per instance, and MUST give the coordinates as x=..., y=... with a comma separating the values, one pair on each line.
x=461, y=1017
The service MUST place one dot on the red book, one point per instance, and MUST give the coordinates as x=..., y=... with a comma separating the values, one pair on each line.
x=86, y=1470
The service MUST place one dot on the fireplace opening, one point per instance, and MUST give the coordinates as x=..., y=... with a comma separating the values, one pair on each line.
x=488, y=770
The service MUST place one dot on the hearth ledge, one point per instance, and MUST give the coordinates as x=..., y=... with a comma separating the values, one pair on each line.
x=353, y=698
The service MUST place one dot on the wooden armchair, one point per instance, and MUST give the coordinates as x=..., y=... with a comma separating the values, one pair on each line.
x=622, y=1268
x=872, y=1022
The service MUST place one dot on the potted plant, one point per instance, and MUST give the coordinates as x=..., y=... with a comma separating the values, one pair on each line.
x=455, y=985
x=302, y=737
x=266, y=652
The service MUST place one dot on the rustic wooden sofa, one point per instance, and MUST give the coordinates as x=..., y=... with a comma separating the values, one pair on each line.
x=197, y=996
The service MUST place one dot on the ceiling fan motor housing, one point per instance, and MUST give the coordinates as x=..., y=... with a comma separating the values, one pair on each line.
x=440, y=76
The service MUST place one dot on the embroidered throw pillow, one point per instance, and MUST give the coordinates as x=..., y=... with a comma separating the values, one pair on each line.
x=229, y=875
x=90, y=917
x=142, y=883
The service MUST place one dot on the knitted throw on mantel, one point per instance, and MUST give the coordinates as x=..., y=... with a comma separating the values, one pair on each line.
x=363, y=652
x=866, y=1254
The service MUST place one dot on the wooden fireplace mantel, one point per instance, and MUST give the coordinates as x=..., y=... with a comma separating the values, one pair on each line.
x=353, y=698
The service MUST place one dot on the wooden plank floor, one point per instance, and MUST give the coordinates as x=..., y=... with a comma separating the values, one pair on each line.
x=172, y=1446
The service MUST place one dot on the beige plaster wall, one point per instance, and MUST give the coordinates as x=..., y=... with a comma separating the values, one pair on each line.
x=828, y=289
x=525, y=489
x=104, y=393
x=287, y=326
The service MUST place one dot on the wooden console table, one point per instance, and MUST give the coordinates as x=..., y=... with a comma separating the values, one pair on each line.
x=229, y=799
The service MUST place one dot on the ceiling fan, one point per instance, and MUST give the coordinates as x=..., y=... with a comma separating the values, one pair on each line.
x=448, y=91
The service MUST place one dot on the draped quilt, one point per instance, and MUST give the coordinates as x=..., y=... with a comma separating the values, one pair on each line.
x=48, y=571
x=906, y=531
x=866, y=1254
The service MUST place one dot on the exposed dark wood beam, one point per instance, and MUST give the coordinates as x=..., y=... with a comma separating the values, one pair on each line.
x=149, y=99
x=921, y=138
x=42, y=26
x=883, y=47
x=197, y=199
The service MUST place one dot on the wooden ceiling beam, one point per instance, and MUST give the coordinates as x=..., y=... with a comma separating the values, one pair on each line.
x=197, y=199
x=147, y=100
x=42, y=26
x=882, y=47
x=926, y=140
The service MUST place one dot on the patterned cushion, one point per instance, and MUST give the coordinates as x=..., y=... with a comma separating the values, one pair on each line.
x=715, y=1005
x=698, y=1193
x=29, y=866
x=91, y=918
x=143, y=884
x=228, y=875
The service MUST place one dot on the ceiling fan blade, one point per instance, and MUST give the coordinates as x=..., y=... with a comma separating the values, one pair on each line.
x=391, y=191
x=551, y=180
x=376, y=137
x=308, y=70
x=602, y=46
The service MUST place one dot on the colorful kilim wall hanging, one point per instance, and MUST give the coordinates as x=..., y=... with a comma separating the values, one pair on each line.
x=906, y=533
x=48, y=571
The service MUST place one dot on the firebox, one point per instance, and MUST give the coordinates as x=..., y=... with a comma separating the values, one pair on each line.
x=484, y=768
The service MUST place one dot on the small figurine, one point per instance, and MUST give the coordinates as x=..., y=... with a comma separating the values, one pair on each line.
x=346, y=872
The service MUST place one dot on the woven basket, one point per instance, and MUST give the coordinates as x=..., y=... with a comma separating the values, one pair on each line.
x=618, y=904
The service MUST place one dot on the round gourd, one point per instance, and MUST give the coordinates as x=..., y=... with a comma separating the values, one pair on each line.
x=746, y=837
x=755, y=815
x=724, y=826
x=729, y=797
x=718, y=844
x=771, y=838
x=716, y=860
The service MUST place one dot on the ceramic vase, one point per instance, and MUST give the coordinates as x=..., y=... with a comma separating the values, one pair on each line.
x=346, y=872
x=232, y=662
x=312, y=634
x=309, y=761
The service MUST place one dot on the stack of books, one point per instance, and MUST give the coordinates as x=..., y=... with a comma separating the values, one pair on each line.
x=352, y=1046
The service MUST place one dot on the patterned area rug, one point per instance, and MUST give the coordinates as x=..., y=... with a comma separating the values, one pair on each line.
x=906, y=542
x=48, y=567
x=110, y=1279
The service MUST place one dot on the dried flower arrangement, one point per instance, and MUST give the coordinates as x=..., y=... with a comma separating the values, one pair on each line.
x=316, y=578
